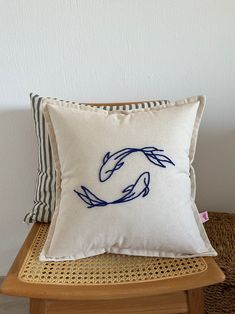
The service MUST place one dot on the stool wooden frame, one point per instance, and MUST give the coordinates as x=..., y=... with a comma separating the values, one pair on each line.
x=178, y=295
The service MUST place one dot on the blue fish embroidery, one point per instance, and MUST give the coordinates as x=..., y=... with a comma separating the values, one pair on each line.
x=139, y=188
x=131, y=192
x=113, y=162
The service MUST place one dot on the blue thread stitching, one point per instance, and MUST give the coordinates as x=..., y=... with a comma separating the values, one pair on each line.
x=151, y=153
x=131, y=192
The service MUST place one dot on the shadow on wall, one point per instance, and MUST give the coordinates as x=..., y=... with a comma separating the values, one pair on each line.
x=18, y=161
x=215, y=169
x=17, y=178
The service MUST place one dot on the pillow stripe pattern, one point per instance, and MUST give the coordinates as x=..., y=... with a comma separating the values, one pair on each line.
x=44, y=199
x=44, y=196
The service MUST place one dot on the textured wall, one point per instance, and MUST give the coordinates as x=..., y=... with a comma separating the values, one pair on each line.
x=114, y=50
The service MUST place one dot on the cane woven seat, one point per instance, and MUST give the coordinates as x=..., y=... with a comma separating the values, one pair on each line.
x=108, y=283
x=103, y=269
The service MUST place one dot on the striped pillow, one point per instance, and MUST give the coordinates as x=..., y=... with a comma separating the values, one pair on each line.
x=44, y=197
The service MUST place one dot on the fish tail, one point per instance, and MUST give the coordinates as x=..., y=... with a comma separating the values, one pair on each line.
x=90, y=198
x=155, y=156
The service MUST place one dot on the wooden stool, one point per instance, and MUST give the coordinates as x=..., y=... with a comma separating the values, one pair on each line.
x=108, y=283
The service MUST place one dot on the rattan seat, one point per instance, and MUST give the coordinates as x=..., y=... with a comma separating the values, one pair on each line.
x=108, y=283
x=103, y=269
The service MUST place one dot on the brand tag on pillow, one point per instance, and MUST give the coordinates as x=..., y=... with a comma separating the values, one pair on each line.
x=204, y=216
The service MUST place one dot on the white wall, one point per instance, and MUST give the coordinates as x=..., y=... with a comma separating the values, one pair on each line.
x=113, y=50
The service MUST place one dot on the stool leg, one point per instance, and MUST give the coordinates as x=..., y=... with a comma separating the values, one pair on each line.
x=195, y=301
x=37, y=306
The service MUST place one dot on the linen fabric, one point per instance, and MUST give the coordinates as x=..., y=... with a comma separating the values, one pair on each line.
x=44, y=196
x=123, y=181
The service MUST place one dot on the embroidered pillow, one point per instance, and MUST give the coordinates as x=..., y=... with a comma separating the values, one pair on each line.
x=123, y=182
x=44, y=198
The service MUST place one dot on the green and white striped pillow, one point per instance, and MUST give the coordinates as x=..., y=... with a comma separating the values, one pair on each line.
x=44, y=197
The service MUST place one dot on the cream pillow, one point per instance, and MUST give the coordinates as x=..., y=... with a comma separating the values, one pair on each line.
x=44, y=196
x=123, y=181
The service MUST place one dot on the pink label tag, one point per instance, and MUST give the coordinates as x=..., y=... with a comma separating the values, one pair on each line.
x=204, y=216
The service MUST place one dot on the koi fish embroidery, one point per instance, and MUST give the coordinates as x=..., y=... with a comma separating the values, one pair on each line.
x=139, y=188
x=115, y=161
